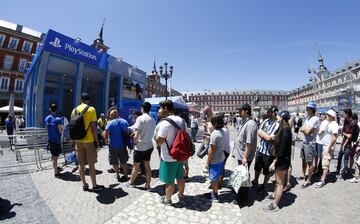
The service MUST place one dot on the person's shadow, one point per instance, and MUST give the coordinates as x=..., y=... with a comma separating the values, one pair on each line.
x=5, y=209
x=110, y=194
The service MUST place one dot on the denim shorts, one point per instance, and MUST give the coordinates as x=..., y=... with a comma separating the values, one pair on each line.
x=308, y=151
x=319, y=149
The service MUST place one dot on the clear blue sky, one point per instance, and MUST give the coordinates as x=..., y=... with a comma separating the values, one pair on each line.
x=217, y=45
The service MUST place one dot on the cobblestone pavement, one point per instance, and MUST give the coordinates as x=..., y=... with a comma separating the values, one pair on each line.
x=337, y=202
x=21, y=200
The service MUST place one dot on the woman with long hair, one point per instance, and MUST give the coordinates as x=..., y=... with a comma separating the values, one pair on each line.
x=281, y=153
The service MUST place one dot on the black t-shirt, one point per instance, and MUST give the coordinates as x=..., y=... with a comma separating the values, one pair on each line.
x=282, y=144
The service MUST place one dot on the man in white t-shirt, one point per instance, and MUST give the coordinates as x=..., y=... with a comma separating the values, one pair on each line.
x=319, y=143
x=309, y=129
x=144, y=129
x=329, y=140
x=170, y=169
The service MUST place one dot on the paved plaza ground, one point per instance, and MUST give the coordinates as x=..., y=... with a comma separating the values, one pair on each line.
x=37, y=197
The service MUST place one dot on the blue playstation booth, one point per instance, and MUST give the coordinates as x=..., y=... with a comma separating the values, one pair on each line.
x=62, y=68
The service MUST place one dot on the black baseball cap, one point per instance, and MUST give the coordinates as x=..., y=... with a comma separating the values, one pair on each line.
x=85, y=96
x=273, y=108
x=244, y=106
x=53, y=107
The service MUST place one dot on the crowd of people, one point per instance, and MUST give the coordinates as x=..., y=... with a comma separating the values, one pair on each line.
x=269, y=145
x=13, y=124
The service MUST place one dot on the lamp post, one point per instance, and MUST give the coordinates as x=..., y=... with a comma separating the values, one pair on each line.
x=315, y=79
x=166, y=75
x=352, y=91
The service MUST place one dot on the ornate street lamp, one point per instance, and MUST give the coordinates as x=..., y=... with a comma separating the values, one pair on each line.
x=166, y=75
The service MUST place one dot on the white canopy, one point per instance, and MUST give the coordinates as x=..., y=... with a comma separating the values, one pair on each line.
x=6, y=109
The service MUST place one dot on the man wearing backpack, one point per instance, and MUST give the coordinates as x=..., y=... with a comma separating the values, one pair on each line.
x=54, y=126
x=170, y=168
x=83, y=129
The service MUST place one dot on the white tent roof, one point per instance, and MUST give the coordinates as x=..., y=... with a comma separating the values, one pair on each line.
x=175, y=99
x=6, y=109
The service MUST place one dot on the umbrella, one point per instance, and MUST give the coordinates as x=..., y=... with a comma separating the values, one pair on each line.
x=7, y=109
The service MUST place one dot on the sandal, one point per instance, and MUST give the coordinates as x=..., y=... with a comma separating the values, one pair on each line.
x=86, y=187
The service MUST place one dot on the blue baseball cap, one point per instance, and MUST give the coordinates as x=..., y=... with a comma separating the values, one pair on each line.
x=311, y=105
x=285, y=115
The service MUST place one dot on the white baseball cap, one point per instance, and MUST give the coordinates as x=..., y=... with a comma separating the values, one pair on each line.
x=331, y=112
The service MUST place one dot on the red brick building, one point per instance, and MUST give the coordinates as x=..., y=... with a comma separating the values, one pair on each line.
x=17, y=44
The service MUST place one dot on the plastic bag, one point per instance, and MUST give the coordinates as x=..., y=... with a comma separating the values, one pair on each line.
x=240, y=178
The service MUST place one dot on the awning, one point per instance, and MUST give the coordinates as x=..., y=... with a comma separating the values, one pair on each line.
x=6, y=109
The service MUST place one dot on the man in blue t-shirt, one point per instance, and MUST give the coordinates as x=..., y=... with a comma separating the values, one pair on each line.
x=114, y=132
x=54, y=125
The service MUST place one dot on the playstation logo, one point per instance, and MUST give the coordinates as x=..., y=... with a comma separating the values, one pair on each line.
x=56, y=43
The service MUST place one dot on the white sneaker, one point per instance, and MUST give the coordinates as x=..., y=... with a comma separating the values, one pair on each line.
x=354, y=180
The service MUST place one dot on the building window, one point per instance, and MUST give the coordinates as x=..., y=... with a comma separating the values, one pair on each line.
x=27, y=46
x=4, y=83
x=19, y=85
x=8, y=61
x=13, y=43
x=22, y=64
x=2, y=39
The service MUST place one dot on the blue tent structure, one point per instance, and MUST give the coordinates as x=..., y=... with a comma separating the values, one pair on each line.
x=181, y=108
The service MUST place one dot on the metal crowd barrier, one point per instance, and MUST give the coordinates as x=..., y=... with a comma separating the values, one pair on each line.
x=30, y=148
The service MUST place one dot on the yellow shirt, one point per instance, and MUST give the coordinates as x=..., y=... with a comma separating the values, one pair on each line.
x=89, y=116
x=102, y=123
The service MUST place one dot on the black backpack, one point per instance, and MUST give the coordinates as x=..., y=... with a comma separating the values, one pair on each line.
x=77, y=125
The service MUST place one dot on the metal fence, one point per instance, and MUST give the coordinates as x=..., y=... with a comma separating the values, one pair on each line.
x=30, y=147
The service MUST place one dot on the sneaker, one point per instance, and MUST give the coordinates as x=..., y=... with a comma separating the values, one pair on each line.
x=59, y=175
x=271, y=208
x=214, y=197
x=164, y=201
x=270, y=197
x=254, y=182
x=320, y=184
x=340, y=177
x=354, y=180
x=86, y=187
x=98, y=188
x=305, y=184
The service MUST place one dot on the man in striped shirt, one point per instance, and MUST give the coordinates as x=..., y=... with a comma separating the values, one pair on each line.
x=263, y=159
